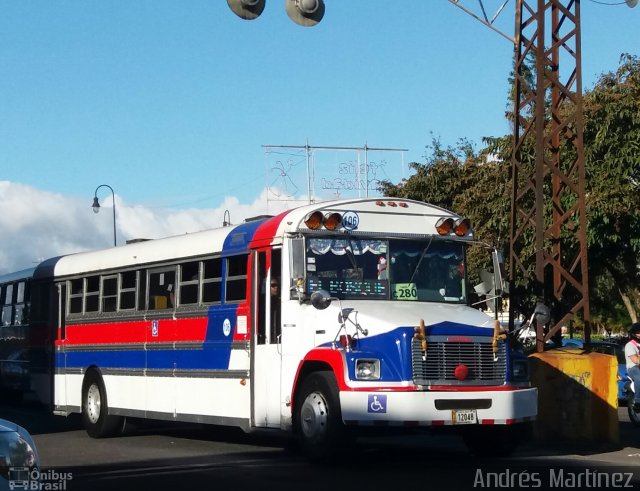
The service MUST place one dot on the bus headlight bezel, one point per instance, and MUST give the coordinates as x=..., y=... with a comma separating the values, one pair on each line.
x=367, y=369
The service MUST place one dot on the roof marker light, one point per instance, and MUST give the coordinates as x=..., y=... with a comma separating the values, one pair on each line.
x=444, y=225
x=332, y=221
x=462, y=227
x=380, y=203
x=314, y=220
x=403, y=204
x=391, y=203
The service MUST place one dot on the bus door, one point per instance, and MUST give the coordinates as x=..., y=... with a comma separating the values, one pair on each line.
x=266, y=339
x=60, y=355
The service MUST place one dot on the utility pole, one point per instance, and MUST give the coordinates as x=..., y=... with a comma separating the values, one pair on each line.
x=547, y=167
x=548, y=191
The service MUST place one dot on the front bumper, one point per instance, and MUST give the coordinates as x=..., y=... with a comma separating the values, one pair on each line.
x=436, y=408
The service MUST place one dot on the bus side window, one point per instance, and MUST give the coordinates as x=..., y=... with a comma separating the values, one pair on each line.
x=127, y=292
x=142, y=289
x=162, y=289
x=92, y=294
x=7, y=308
x=20, y=307
x=109, y=293
x=212, y=280
x=75, y=289
x=236, y=285
x=189, y=282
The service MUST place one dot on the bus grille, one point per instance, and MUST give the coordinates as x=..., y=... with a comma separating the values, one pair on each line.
x=442, y=358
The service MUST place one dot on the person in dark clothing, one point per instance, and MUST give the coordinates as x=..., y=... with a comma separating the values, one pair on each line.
x=275, y=309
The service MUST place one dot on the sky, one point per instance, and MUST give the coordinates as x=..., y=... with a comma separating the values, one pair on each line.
x=172, y=104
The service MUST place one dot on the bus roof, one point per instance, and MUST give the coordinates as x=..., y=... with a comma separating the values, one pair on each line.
x=17, y=275
x=226, y=241
x=393, y=216
x=390, y=216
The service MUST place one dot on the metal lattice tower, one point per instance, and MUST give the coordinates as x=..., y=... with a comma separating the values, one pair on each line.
x=548, y=201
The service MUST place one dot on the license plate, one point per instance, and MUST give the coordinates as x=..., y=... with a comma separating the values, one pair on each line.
x=464, y=416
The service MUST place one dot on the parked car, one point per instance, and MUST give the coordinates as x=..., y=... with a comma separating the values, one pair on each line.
x=608, y=348
x=18, y=457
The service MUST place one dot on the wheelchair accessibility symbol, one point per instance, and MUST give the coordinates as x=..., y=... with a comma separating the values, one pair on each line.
x=377, y=403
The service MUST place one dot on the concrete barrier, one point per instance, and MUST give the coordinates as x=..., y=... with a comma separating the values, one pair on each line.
x=577, y=395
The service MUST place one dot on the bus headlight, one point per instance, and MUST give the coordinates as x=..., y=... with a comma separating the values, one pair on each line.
x=368, y=369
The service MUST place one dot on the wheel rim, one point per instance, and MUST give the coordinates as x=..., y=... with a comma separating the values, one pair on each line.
x=313, y=416
x=93, y=403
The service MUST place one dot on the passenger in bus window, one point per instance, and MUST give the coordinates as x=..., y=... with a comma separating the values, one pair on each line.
x=275, y=308
x=171, y=295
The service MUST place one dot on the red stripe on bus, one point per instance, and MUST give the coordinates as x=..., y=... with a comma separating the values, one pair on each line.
x=168, y=330
x=266, y=232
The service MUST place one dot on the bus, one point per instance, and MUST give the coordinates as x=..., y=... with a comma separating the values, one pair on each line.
x=27, y=333
x=325, y=320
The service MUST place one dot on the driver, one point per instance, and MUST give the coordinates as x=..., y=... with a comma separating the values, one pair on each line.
x=632, y=355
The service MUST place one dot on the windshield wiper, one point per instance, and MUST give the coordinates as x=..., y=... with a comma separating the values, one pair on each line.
x=424, y=253
x=351, y=255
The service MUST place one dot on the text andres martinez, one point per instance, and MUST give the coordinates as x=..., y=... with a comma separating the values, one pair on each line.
x=553, y=478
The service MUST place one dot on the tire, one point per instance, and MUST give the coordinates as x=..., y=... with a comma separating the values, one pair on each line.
x=634, y=415
x=95, y=409
x=318, y=420
x=494, y=441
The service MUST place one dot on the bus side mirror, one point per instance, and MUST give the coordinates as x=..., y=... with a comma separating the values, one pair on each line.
x=542, y=314
x=297, y=265
x=320, y=299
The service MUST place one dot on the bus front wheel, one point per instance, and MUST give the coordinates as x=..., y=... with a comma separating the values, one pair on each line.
x=318, y=421
x=95, y=410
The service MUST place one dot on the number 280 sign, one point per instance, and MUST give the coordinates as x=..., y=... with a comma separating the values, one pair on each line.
x=350, y=220
x=405, y=291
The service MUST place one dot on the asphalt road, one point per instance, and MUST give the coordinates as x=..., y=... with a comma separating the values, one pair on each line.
x=158, y=456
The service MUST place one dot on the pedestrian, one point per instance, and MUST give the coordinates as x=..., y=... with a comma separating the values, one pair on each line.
x=632, y=355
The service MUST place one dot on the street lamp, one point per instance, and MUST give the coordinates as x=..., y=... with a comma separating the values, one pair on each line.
x=306, y=13
x=96, y=207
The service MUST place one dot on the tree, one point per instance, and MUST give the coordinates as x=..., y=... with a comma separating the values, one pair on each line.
x=477, y=185
x=612, y=157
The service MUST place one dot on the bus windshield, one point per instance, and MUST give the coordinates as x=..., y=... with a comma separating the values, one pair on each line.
x=387, y=269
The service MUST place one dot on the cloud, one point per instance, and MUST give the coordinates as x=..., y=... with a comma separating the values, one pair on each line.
x=36, y=224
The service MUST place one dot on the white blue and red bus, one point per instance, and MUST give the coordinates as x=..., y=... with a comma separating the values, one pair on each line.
x=372, y=326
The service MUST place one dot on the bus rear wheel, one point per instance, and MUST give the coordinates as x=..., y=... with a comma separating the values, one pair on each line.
x=318, y=423
x=95, y=410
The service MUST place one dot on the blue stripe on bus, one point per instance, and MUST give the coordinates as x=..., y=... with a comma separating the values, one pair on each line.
x=448, y=328
x=212, y=356
x=393, y=348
